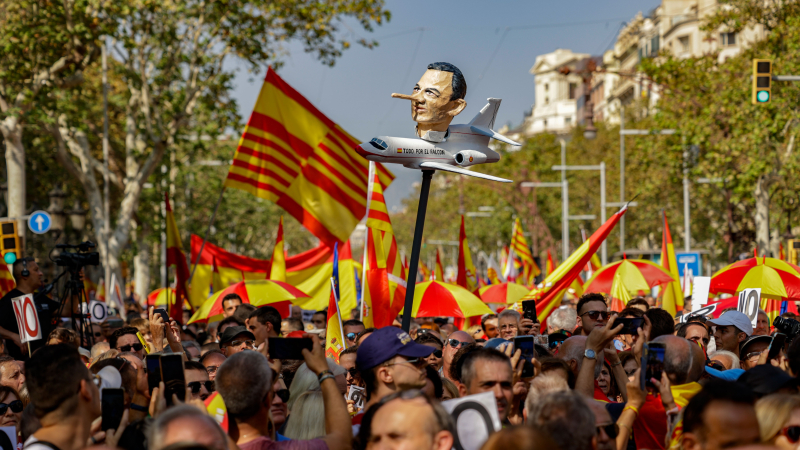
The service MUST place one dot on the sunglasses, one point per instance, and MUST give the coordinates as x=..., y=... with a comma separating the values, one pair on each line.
x=16, y=407
x=791, y=433
x=594, y=315
x=196, y=385
x=437, y=353
x=416, y=362
x=283, y=394
x=351, y=336
x=612, y=430
x=353, y=372
x=454, y=343
x=554, y=344
x=134, y=347
x=212, y=369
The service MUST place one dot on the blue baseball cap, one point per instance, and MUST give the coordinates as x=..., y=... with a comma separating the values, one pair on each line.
x=730, y=375
x=386, y=343
x=495, y=342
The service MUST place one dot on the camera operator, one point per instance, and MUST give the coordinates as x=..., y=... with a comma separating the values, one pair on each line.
x=29, y=278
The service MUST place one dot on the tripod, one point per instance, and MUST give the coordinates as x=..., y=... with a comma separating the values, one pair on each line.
x=73, y=291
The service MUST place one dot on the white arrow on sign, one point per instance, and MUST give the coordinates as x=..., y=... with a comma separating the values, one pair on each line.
x=39, y=221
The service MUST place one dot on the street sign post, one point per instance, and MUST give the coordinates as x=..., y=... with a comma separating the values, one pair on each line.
x=40, y=222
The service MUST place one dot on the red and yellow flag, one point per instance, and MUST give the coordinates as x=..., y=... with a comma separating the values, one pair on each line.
x=672, y=299
x=425, y=271
x=438, y=273
x=555, y=285
x=467, y=276
x=175, y=257
x=383, y=288
x=520, y=246
x=782, y=253
x=7, y=283
x=292, y=154
x=551, y=266
x=334, y=336
x=277, y=269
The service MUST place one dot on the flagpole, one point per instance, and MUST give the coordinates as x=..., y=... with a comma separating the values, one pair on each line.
x=366, y=239
x=205, y=237
x=427, y=175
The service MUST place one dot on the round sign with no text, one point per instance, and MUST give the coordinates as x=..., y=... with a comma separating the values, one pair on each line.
x=40, y=222
x=30, y=318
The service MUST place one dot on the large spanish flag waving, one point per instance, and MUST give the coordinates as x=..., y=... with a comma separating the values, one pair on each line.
x=175, y=257
x=292, y=154
x=548, y=297
x=672, y=301
x=383, y=289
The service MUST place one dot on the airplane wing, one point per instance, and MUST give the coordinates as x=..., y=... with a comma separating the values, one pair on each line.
x=492, y=134
x=454, y=169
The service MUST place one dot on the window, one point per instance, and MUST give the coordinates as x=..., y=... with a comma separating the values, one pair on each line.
x=568, y=121
x=654, y=45
x=547, y=100
x=545, y=124
x=546, y=87
x=573, y=90
x=685, y=44
x=727, y=39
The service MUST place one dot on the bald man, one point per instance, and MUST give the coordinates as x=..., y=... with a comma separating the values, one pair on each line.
x=454, y=342
x=186, y=424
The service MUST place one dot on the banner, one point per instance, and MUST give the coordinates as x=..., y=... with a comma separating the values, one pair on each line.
x=27, y=318
x=475, y=418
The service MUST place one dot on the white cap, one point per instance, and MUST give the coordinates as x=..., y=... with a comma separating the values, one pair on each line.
x=109, y=378
x=735, y=318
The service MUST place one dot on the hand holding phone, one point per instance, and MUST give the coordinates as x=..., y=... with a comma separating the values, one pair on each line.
x=653, y=355
x=289, y=348
x=528, y=352
x=172, y=376
x=630, y=325
x=113, y=406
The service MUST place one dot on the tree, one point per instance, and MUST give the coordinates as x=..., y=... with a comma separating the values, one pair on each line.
x=171, y=85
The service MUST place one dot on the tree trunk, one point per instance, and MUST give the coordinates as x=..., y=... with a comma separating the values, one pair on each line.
x=761, y=194
x=141, y=264
x=15, y=168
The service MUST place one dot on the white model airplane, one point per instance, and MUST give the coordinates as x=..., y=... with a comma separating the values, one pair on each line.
x=466, y=145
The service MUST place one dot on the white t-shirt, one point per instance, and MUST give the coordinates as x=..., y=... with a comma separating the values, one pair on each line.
x=33, y=444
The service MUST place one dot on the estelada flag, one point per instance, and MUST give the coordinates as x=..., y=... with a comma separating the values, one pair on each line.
x=175, y=257
x=467, y=276
x=293, y=155
x=672, y=300
x=277, y=270
x=438, y=273
x=555, y=285
x=334, y=336
x=7, y=283
x=384, y=288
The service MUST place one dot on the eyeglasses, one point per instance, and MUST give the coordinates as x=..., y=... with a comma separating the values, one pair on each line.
x=248, y=343
x=16, y=407
x=196, y=385
x=455, y=344
x=416, y=363
x=132, y=347
x=791, y=433
x=594, y=315
x=212, y=369
x=612, y=430
x=283, y=394
x=752, y=355
x=437, y=353
x=554, y=344
x=351, y=336
x=352, y=371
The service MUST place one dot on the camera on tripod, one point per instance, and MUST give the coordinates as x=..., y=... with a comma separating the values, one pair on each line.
x=789, y=327
x=74, y=261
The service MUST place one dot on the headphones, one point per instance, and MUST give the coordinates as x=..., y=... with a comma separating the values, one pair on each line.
x=25, y=271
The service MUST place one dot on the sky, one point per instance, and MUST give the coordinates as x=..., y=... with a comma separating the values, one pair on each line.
x=494, y=43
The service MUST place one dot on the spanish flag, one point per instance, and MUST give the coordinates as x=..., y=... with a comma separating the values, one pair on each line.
x=7, y=283
x=277, y=270
x=551, y=266
x=384, y=287
x=672, y=300
x=467, y=276
x=425, y=271
x=549, y=296
x=293, y=155
x=438, y=273
x=175, y=257
x=334, y=336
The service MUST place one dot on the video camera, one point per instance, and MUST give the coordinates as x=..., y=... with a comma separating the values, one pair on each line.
x=77, y=260
x=789, y=327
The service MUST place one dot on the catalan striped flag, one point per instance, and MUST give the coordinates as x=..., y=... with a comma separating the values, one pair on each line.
x=438, y=273
x=7, y=283
x=555, y=284
x=520, y=246
x=292, y=154
x=467, y=276
x=672, y=300
x=334, y=334
x=176, y=257
x=277, y=270
x=384, y=288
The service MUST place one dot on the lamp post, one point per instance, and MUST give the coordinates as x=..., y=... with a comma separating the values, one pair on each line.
x=56, y=209
x=77, y=218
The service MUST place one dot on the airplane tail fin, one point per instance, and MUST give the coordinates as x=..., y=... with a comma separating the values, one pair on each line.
x=488, y=113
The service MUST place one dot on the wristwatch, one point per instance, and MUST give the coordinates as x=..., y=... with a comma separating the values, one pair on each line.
x=589, y=353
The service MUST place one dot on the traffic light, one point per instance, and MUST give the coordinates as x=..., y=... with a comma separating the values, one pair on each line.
x=9, y=242
x=762, y=81
x=794, y=249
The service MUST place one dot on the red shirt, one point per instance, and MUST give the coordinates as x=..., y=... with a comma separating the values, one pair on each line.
x=650, y=427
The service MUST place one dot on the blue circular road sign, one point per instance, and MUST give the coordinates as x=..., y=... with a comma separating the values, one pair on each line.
x=40, y=222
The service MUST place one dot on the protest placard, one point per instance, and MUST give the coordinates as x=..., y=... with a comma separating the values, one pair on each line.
x=475, y=418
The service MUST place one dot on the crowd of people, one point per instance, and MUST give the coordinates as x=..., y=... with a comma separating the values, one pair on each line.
x=721, y=384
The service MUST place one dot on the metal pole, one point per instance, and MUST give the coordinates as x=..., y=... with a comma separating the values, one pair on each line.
x=603, y=249
x=621, y=177
x=687, y=241
x=106, y=194
x=564, y=203
x=412, y=265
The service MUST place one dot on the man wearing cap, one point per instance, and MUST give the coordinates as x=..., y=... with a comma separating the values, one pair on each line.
x=751, y=349
x=236, y=339
x=732, y=328
x=390, y=361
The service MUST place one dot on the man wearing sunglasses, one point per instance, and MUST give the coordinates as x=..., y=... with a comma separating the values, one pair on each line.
x=454, y=342
x=197, y=380
x=351, y=329
x=606, y=430
x=592, y=312
x=720, y=416
x=125, y=340
x=390, y=361
x=236, y=339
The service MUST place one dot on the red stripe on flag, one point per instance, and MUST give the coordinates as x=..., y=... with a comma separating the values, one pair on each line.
x=268, y=124
x=266, y=143
x=260, y=170
x=257, y=184
x=360, y=190
x=307, y=220
x=379, y=215
x=318, y=179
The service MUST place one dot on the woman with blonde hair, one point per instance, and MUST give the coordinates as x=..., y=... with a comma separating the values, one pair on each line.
x=779, y=420
x=307, y=420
